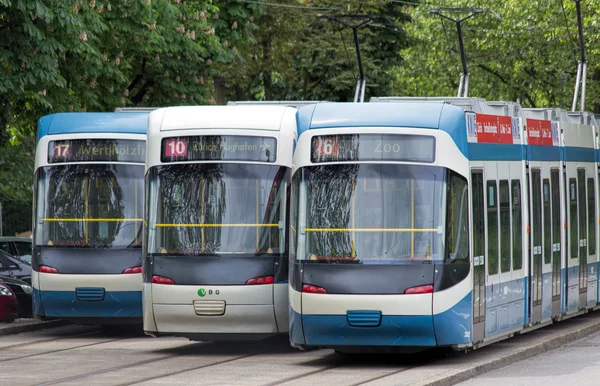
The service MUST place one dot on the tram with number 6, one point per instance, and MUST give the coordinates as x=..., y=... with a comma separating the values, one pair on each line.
x=422, y=222
x=88, y=213
x=216, y=254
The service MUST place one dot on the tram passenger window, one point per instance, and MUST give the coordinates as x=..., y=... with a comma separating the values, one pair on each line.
x=457, y=219
x=492, y=221
x=573, y=240
x=547, y=222
x=504, y=226
x=591, y=217
x=517, y=231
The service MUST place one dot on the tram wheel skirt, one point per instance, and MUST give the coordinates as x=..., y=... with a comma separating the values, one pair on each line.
x=334, y=330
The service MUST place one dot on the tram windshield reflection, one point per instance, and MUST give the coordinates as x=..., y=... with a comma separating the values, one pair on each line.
x=90, y=206
x=217, y=209
x=370, y=213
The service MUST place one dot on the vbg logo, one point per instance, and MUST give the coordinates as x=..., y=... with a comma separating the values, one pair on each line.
x=202, y=292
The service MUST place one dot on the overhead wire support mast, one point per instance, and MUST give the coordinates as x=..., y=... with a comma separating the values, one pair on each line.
x=582, y=65
x=363, y=20
x=463, y=86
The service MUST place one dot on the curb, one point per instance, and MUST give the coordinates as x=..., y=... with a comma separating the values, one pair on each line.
x=496, y=363
x=18, y=329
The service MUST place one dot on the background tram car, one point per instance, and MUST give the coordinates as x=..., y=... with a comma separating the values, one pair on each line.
x=427, y=222
x=216, y=255
x=87, y=236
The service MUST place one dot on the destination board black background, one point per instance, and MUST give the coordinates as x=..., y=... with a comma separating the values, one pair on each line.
x=221, y=148
x=97, y=150
x=373, y=147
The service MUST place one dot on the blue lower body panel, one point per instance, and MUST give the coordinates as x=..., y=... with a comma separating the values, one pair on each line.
x=66, y=305
x=334, y=330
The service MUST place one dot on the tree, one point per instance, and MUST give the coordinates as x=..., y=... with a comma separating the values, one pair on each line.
x=296, y=59
x=74, y=55
x=530, y=56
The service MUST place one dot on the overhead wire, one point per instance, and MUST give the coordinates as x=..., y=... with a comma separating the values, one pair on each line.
x=289, y=5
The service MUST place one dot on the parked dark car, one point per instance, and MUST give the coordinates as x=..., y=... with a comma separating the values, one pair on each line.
x=13, y=267
x=8, y=304
x=23, y=292
x=17, y=246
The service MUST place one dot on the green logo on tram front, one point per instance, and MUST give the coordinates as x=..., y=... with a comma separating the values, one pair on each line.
x=202, y=292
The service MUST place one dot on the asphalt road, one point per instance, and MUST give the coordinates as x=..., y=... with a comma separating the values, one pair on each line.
x=577, y=363
x=79, y=355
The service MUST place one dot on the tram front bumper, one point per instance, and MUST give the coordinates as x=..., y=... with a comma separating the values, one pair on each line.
x=88, y=298
x=179, y=310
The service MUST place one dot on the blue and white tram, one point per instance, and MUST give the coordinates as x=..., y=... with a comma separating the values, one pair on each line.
x=87, y=232
x=215, y=265
x=421, y=223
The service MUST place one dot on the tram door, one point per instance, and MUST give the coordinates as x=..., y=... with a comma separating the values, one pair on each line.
x=555, y=200
x=575, y=277
x=479, y=261
x=536, y=245
x=590, y=260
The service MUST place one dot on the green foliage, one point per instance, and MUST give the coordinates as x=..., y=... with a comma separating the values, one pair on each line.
x=298, y=57
x=76, y=55
x=530, y=55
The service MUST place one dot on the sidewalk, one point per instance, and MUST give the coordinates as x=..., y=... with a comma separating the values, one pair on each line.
x=26, y=325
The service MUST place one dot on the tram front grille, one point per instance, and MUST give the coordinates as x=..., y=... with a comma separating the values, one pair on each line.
x=209, y=307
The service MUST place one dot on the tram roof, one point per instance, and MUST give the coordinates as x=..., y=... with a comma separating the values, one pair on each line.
x=79, y=123
x=424, y=115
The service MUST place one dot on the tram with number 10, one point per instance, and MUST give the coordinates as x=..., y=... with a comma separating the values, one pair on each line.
x=88, y=215
x=423, y=222
x=216, y=254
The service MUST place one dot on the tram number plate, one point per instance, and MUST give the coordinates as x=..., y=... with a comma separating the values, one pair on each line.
x=176, y=147
x=327, y=147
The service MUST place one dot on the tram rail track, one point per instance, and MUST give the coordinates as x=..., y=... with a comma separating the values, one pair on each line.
x=61, y=350
x=19, y=345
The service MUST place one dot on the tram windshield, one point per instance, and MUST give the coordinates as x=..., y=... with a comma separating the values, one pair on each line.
x=217, y=210
x=379, y=213
x=90, y=206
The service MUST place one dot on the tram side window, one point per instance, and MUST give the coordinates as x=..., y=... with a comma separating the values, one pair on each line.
x=591, y=217
x=457, y=219
x=573, y=241
x=517, y=225
x=492, y=220
x=547, y=222
x=504, y=226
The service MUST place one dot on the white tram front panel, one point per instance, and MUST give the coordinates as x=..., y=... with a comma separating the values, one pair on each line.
x=216, y=261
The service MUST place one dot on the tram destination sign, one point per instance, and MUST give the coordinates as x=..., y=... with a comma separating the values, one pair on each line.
x=219, y=148
x=373, y=147
x=97, y=150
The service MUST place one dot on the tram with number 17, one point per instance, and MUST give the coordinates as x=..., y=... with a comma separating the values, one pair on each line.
x=216, y=254
x=423, y=222
x=88, y=215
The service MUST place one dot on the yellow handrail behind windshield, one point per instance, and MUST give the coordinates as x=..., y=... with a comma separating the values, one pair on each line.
x=216, y=225
x=411, y=230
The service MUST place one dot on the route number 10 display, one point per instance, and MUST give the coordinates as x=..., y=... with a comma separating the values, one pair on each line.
x=176, y=147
